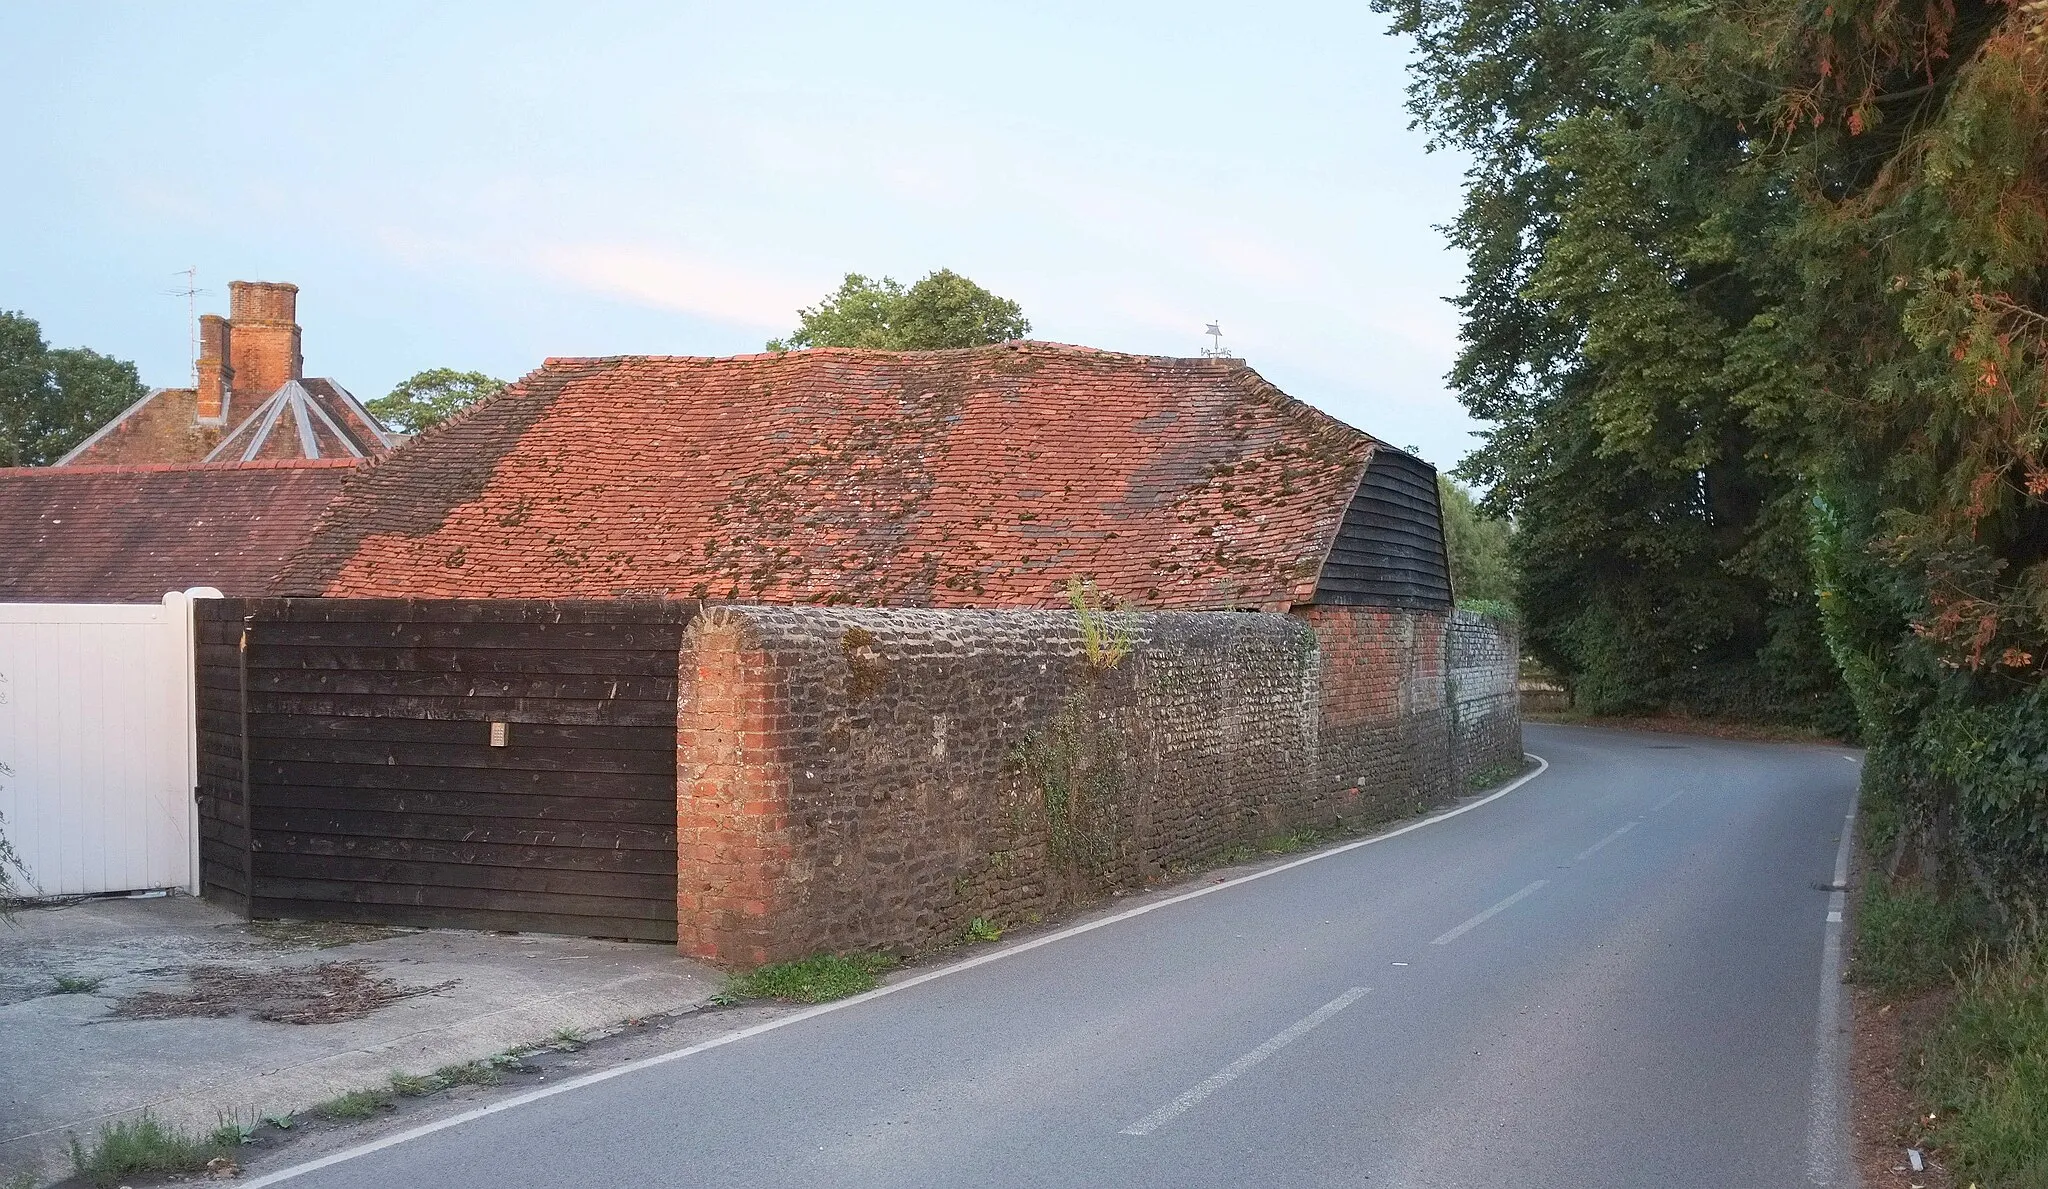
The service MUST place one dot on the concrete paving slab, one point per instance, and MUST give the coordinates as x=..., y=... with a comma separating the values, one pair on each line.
x=73, y=1063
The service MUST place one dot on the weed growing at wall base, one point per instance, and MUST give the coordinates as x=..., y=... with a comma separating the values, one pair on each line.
x=1495, y=774
x=816, y=979
x=141, y=1146
x=356, y=1104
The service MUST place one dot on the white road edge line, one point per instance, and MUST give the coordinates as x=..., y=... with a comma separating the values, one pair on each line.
x=1230, y=1073
x=1460, y=931
x=1587, y=853
x=1827, y=1157
x=602, y=1075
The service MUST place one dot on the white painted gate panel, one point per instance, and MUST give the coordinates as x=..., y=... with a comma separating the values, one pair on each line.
x=96, y=725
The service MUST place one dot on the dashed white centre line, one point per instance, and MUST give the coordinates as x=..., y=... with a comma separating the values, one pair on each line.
x=1490, y=913
x=1231, y=1072
x=1668, y=800
x=1587, y=853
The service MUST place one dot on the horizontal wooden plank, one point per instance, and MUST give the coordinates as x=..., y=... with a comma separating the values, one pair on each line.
x=568, y=686
x=1391, y=571
x=1395, y=498
x=457, y=709
x=224, y=809
x=578, y=884
x=1387, y=550
x=268, y=773
x=536, y=637
x=223, y=872
x=520, y=755
x=343, y=825
x=488, y=807
x=429, y=917
x=1418, y=488
x=351, y=891
x=608, y=662
x=460, y=731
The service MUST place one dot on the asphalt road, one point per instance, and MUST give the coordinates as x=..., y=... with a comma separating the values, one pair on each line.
x=1617, y=974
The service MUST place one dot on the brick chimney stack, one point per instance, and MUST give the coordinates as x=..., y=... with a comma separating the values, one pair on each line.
x=263, y=338
x=216, y=378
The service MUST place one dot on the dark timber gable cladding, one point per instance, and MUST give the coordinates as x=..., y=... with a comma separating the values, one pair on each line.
x=1389, y=550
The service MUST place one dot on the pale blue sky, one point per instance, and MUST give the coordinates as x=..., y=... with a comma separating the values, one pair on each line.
x=482, y=186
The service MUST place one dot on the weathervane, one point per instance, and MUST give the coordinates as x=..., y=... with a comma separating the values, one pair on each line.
x=1217, y=350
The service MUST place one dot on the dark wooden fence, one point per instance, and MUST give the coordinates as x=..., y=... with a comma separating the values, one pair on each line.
x=347, y=770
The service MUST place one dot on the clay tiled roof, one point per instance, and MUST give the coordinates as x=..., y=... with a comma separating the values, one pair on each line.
x=984, y=477
x=128, y=534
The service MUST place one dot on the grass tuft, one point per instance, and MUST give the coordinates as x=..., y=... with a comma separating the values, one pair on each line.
x=143, y=1145
x=1495, y=774
x=1984, y=1069
x=407, y=1085
x=78, y=984
x=470, y=1073
x=816, y=979
x=356, y=1104
x=1908, y=939
x=232, y=1133
x=982, y=929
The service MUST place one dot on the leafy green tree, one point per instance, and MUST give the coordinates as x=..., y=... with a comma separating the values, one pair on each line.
x=943, y=310
x=1660, y=542
x=53, y=399
x=1759, y=310
x=1481, y=570
x=431, y=397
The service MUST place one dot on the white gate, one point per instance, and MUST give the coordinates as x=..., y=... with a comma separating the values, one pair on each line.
x=96, y=731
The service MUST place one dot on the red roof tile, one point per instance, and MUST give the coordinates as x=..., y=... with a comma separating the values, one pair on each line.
x=984, y=477
x=125, y=534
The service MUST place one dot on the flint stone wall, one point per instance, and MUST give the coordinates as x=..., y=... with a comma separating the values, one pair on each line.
x=860, y=778
x=1483, y=666
x=853, y=778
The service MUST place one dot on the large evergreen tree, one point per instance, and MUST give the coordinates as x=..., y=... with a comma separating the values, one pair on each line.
x=1758, y=306
x=1660, y=543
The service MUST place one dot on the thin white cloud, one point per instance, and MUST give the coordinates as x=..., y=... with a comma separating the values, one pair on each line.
x=672, y=280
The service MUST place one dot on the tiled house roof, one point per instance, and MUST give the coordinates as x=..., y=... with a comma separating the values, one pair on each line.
x=164, y=426
x=128, y=534
x=310, y=418
x=305, y=418
x=983, y=477
x=253, y=401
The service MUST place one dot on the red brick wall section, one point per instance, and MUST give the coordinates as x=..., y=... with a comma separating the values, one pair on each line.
x=1386, y=730
x=732, y=794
